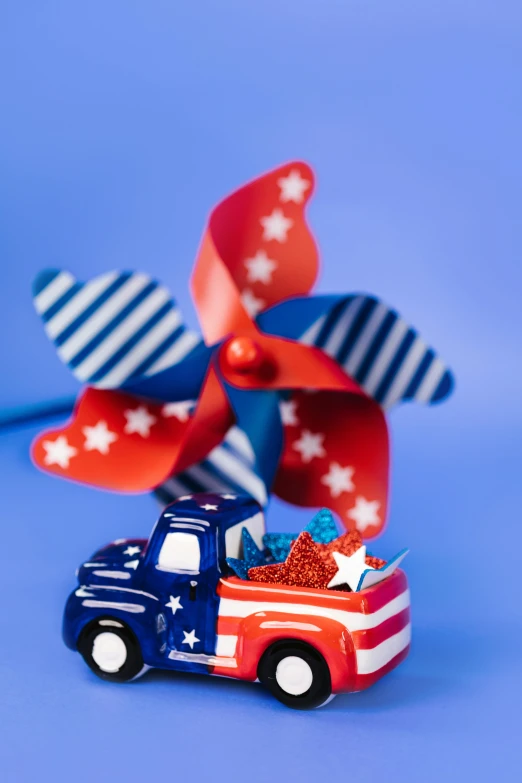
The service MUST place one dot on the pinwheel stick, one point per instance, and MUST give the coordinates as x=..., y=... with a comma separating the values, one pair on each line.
x=23, y=414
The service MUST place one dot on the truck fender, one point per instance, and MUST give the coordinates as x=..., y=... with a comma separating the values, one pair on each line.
x=331, y=638
x=140, y=613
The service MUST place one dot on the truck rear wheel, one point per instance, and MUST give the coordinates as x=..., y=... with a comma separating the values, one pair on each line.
x=296, y=674
x=111, y=650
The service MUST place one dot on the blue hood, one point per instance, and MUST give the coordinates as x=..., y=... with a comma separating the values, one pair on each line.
x=114, y=564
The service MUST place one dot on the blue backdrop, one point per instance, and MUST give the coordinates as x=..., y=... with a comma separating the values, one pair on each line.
x=123, y=122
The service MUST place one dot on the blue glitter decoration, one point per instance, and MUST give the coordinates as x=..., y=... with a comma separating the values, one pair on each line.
x=322, y=528
x=251, y=552
x=239, y=567
x=252, y=556
x=279, y=545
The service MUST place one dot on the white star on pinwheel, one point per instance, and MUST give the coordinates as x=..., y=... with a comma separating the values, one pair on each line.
x=349, y=569
x=98, y=438
x=209, y=507
x=139, y=420
x=293, y=187
x=338, y=479
x=58, y=452
x=190, y=638
x=276, y=226
x=132, y=550
x=260, y=268
x=229, y=497
x=174, y=603
x=251, y=303
x=181, y=410
x=365, y=513
x=287, y=409
x=132, y=564
x=310, y=445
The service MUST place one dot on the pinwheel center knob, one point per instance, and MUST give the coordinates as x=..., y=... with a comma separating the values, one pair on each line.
x=243, y=354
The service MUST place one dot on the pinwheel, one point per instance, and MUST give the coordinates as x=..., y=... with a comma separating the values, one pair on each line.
x=285, y=392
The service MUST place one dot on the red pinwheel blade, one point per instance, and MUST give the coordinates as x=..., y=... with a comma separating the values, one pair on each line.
x=211, y=421
x=256, y=251
x=114, y=441
x=336, y=455
x=119, y=442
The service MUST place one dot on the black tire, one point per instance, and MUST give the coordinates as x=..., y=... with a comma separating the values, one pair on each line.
x=302, y=686
x=110, y=659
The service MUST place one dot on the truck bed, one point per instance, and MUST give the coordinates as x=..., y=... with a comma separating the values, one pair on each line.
x=362, y=635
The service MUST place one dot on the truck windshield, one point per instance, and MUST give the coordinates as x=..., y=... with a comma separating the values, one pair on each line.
x=180, y=552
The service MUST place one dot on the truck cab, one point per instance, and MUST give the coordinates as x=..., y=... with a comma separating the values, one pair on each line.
x=162, y=591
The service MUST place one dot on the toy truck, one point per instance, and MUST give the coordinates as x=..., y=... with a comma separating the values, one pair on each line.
x=172, y=603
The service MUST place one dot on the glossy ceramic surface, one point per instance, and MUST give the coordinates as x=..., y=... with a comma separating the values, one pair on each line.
x=171, y=602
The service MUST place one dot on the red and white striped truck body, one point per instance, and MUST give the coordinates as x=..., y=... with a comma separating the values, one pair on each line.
x=361, y=636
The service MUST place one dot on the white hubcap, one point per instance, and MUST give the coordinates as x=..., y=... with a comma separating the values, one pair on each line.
x=294, y=675
x=109, y=651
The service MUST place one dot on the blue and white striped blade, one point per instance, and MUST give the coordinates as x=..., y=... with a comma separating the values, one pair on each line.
x=370, y=341
x=116, y=328
x=229, y=469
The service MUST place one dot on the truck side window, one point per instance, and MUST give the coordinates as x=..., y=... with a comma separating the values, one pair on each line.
x=180, y=552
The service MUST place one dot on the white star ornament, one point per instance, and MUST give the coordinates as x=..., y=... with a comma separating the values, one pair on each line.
x=349, y=569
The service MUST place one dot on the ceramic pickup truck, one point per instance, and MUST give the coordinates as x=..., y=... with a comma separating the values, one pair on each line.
x=172, y=603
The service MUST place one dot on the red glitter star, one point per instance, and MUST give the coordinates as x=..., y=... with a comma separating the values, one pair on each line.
x=273, y=574
x=310, y=564
x=304, y=567
x=347, y=544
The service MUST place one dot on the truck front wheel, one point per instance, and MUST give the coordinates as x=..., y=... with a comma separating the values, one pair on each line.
x=111, y=650
x=296, y=674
